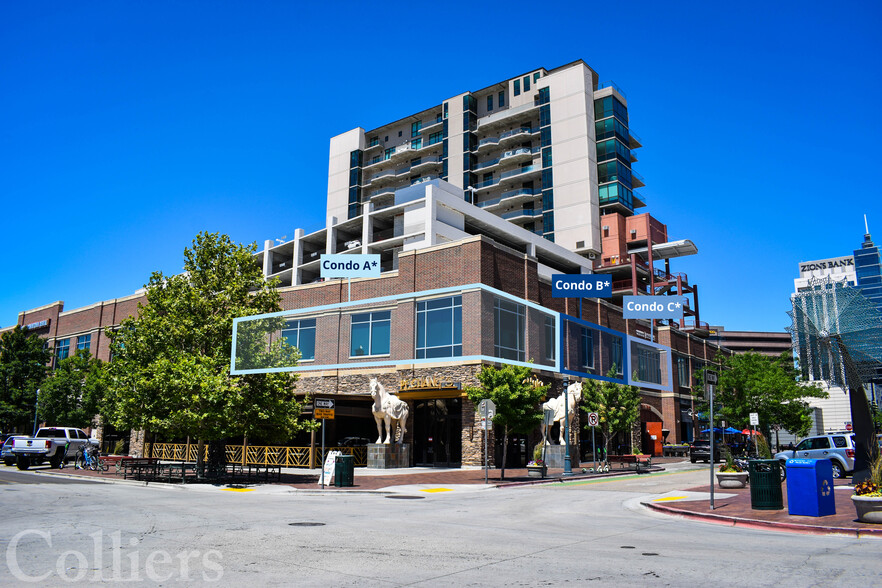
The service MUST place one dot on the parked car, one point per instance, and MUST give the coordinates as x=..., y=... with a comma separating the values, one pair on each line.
x=6, y=451
x=837, y=447
x=52, y=444
x=699, y=450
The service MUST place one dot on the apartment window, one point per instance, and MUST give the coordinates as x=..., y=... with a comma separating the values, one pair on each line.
x=490, y=102
x=536, y=77
x=526, y=83
x=374, y=142
x=616, y=355
x=84, y=342
x=388, y=153
x=549, y=338
x=301, y=334
x=376, y=159
x=416, y=143
x=415, y=128
x=517, y=87
x=648, y=365
x=586, y=347
x=62, y=348
x=683, y=371
x=436, y=138
x=501, y=100
x=546, y=157
x=369, y=334
x=445, y=110
x=439, y=328
x=510, y=321
x=487, y=179
x=545, y=136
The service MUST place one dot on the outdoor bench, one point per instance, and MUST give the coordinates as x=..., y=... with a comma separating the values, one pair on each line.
x=637, y=461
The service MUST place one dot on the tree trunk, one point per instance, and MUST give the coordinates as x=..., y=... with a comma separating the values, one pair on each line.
x=200, y=458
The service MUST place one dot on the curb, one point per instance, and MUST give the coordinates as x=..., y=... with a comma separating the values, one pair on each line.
x=763, y=525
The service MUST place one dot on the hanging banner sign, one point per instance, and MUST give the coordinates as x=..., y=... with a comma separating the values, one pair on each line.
x=350, y=266
x=653, y=307
x=580, y=286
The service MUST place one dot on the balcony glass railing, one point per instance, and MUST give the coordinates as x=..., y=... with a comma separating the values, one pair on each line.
x=517, y=213
x=488, y=141
x=505, y=196
x=515, y=132
x=501, y=115
x=516, y=172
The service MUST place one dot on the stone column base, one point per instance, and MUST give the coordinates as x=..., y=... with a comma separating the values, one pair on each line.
x=383, y=457
x=554, y=456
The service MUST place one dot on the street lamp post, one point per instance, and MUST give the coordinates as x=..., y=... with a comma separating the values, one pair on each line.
x=36, y=407
x=568, y=469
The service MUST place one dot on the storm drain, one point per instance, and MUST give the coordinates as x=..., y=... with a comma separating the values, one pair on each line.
x=405, y=497
x=306, y=524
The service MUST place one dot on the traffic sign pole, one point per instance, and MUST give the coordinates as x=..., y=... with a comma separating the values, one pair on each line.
x=711, y=379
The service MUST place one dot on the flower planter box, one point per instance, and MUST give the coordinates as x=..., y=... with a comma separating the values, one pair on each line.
x=536, y=471
x=732, y=479
x=869, y=508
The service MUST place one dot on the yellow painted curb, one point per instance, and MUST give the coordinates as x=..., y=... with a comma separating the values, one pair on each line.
x=437, y=490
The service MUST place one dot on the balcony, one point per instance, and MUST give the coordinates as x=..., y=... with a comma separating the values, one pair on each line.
x=508, y=176
x=431, y=126
x=525, y=213
x=519, y=155
x=509, y=198
x=504, y=116
x=637, y=180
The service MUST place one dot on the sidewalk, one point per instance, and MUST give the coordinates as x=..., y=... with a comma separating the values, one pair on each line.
x=733, y=507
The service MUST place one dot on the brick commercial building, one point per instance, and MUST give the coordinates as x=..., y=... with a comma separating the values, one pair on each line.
x=471, y=217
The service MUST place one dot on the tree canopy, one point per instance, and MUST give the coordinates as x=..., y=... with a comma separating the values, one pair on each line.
x=750, y=382
x=23, y=366
x=72, y=395
x=617, y=406
x=171, y=363
x=516, y=398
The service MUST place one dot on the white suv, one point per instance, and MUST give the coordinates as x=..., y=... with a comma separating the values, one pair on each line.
x=837, y=447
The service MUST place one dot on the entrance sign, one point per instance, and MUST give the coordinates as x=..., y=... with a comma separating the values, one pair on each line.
x=350, y=266
x=580, y=286
x=754, y=418
x=653, y=307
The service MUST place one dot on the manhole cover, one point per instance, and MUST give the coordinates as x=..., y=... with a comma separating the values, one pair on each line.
x=306, y=524
x=405, y=497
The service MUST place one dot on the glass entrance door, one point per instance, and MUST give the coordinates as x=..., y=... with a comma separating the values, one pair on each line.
x=437, y=432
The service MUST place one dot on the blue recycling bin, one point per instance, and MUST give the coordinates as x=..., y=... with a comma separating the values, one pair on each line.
x=810, y=487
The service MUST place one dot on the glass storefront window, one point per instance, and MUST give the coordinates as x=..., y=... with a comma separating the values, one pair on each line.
x=439, y=328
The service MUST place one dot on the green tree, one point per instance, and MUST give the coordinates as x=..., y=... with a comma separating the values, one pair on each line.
x=617, y=406
x=750, y=382
x=516, y=399
x=171, y=363
x=23, y=366
x=72, y=395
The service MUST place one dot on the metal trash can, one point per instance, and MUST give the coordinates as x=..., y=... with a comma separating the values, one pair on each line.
x=344, y=471
x=765, y=484
x=810, y=487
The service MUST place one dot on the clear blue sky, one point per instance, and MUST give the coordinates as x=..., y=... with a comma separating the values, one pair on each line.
x=128, y=127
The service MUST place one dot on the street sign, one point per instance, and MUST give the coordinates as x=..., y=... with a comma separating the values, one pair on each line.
x=548, y=417
x=593, y=419
x=710, y=377
x=324, y=403
x=848, y=426
x=487, y=408
x=754, y=418
x=324, y=413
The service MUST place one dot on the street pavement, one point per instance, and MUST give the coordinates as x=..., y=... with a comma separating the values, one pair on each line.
x=583, y=531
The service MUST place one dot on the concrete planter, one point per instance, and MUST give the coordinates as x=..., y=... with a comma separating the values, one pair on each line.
x=536, y=471
x=869, y=508
x=732, y=479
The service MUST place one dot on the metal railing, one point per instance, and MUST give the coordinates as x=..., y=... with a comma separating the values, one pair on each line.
x=290, y=457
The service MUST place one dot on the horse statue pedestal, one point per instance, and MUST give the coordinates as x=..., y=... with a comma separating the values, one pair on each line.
x=554, y=456
x=384, y=456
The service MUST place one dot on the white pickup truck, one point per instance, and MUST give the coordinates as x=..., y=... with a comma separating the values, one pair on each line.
x=49, y=445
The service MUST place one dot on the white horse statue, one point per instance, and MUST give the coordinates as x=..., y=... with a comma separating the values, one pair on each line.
x=390, y=409
x=574, y=395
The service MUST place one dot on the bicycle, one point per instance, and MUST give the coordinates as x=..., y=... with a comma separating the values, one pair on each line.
x=89, y=457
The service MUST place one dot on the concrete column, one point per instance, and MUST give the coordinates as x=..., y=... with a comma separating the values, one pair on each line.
x=297, y=258
x=430, y=216
x=331, y=236
x=366, y=225
x=267, y=257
